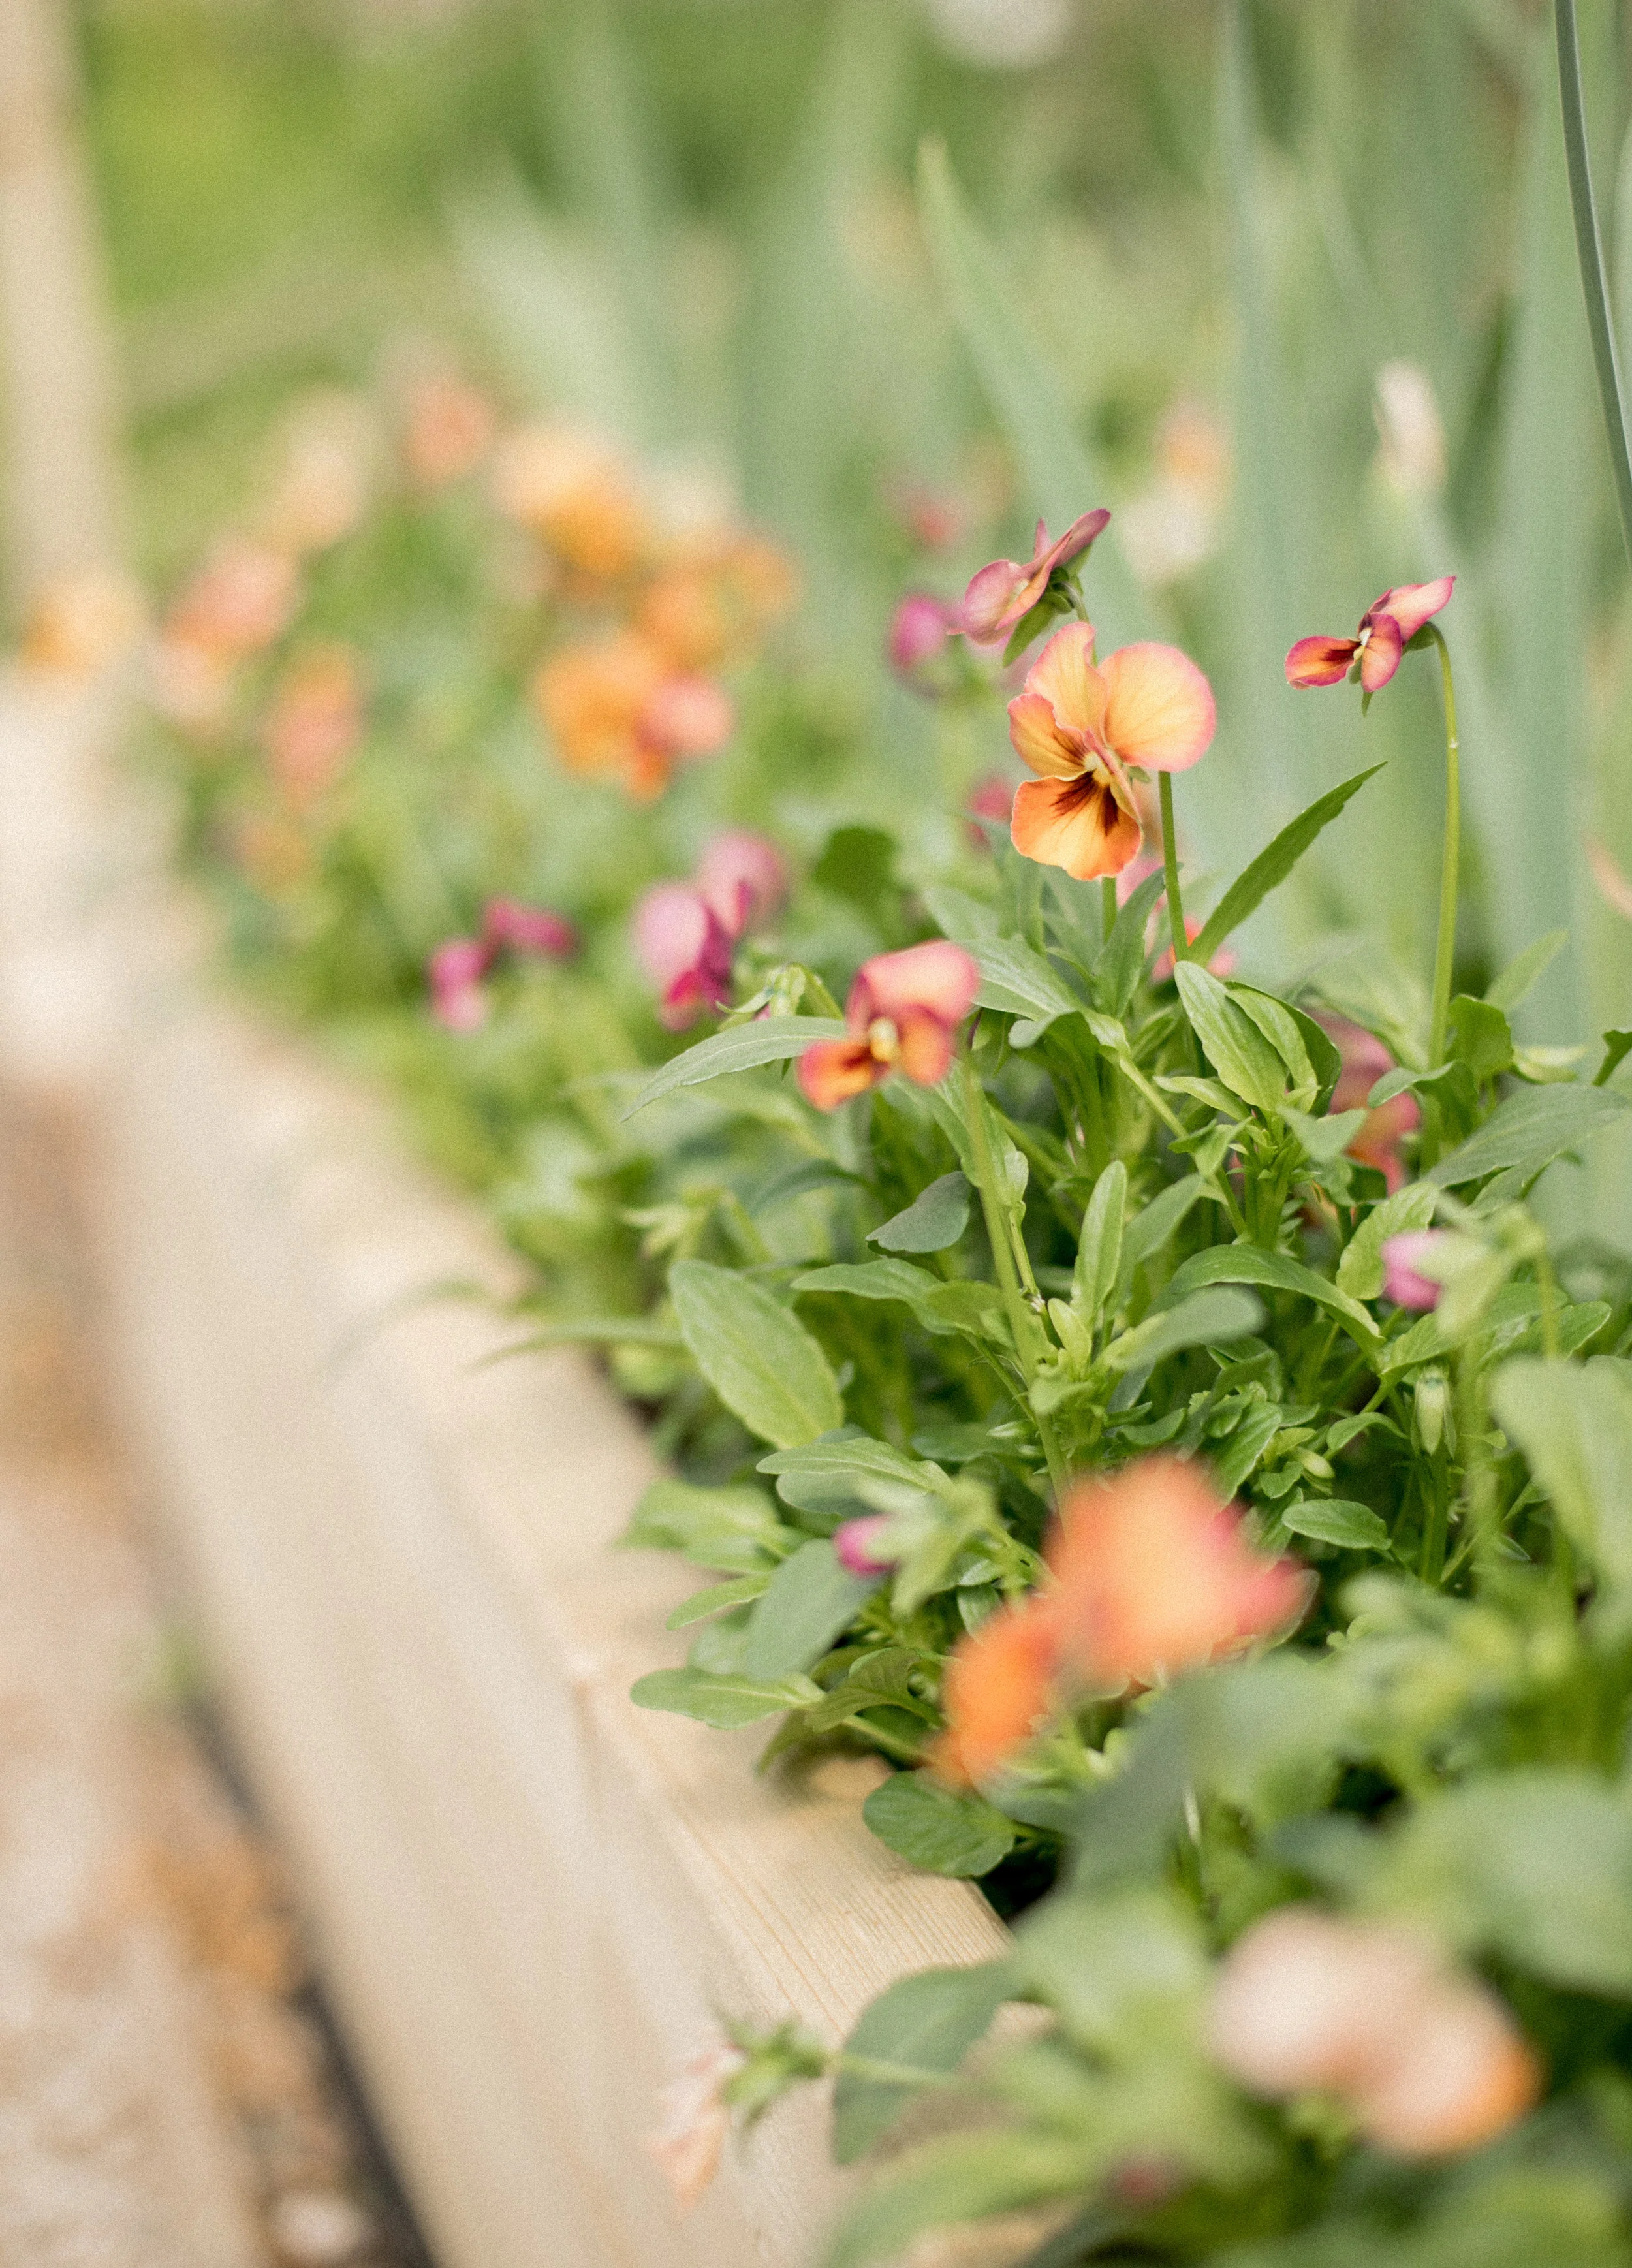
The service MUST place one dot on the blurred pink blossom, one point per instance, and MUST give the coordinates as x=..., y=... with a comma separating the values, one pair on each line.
x=919, y=630
x=1403, y=1257
x=458, y=999
x=743, y=877
x=696, y=2120
x=853, y=1545
x=686, y=950
x=507, y=922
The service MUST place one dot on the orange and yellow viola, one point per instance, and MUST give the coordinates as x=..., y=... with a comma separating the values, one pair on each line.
x=1373, y=654
x=903, y=1014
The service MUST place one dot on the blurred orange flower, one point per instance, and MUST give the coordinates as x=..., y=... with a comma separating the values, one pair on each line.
x=613, y=706
x=574, y=493
x=448, y=430
x=239, y=601
x=314, y=723
x=79, y=624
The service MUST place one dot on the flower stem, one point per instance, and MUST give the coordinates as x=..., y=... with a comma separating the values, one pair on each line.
x=1590, y=252
x=1170, y=860
x=1108, y=904
x=1444, y=950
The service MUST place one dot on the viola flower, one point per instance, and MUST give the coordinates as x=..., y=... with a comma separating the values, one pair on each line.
x=1424, y=2056
x=1157, y=1574
x=919, y=630
x=574, y=493
x=238, y=602
x=742, y=877
x=507, y=923
x=1365, y=1060
x=696, y=2120
x=459, y=1000
x=1403, y=1259
x=613, y=705
x=1000, y=597
x=1081, y=726
x=1386, y=628
x=856, y=1541
x=686, y=951
x=314, y=723
x=903, y=1014
x=322, y=485
x=448, y=430
x=998, y=1689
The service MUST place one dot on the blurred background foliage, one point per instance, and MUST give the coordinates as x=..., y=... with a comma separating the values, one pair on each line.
x=1178, y=244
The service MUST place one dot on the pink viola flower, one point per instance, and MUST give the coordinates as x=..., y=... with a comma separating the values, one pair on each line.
x=919, y=630
x=688, y=717
x=1081, y=727
x=686, y=950
x=695, y=2115
x=1425, y=2058
x=743, y=877
x=507, y=923
x=1405, y=1257
x=458, y=1000
x=903, y=1014
x=1001, y=596
x=1386, y=628
x=1365, y=1060
x=857, y=1544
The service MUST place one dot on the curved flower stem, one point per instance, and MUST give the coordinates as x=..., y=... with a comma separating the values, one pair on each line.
x=1590, y=252
x=1444, y=950
x=1030, y=1340
x=1170, y=860
x=1107, y=905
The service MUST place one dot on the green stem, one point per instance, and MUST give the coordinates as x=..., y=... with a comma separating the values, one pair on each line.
x=1444, y=949
x=1549, y=1285
x=1170, y=860
x=1107, y=905
x=1590, y=252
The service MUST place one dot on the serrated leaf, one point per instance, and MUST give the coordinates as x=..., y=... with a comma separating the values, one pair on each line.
x=831, y=1472
x=734, y=1530
x=933, y=1827
x=810, y=1599
x=1018, y=981
x=1272, y=865
x=758, y=1357
x=1479, y=1036
x=740, y=1589
x=745, y=1047
x=1121, y=958
x=935, y=1218
x=1336, y=1519
x=928, y=2022
x=1152, y=1227
x=725, y=1703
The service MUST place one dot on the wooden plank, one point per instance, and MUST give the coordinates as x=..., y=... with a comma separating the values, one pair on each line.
x=529, y=1895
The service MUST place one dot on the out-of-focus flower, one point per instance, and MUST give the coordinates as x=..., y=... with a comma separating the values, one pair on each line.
x=322, y=488
x=684, y=613
x=239, y=601
x=314, y=723
x=1403, y=1260
x=1172, y=527
x=1001, y=595
x=575, y=492
x=1001, y=34
x=1423, y=2055
x=1365, y=1061
x=509, y=925
x=613, y=705
x=903, y=1014
x=1157, y=1573
x=447, y=430
x=1611, y=885
x=991, y=798
x=1080, y=727
x=1412, y=451
x=855, y=1541
x=932, y=519
x=998, y=1688
x=1386, y=628
x=189, y=685
x=81, y=625
x=459, y=1000
x=743, y=877
x=686, y=951
x=919, y=630
x=696, y=2120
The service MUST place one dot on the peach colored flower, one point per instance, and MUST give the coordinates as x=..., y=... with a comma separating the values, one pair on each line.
x=189, y=685
x=448, y=430
x=684, y=612
x=1000, y=597
x=1156, y=1573
x=1608, y=879
x=1366, y=1060
x=1424, y=2056
x=80, y=625
x=322, y=485
x=613, y=706
x=1080, y=726
x=1386, y=628
x=903, y=1014
x=998, y=1689
x=314, y=723
x=574, y=493
x=696, y=2120
x=239, y=601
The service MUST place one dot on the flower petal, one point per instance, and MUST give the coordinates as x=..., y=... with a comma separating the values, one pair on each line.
x=1320, y=660
x=996, y=1687
x=1064, y=674
x=1077, y=824
x=1159, y=710
x=832, y=1070
x=940, y=980
x=1078, y=537
x=993, y=603
x=926, y=1047
x=1380, y=657
x=1412, y=603
x=1038, y=740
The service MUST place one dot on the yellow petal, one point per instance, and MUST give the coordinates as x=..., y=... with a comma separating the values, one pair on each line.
x=1077, y=824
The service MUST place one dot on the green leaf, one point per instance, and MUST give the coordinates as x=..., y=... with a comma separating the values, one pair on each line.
x=1100, y=1249
x=1617, y=1047
x=935, y=1218
x=810, y=1599
x=759, y=1359
x=773, y=1039
x=1249, y=1263
x=928, y=2022
x=733, y=1529
x=1526, y=1132
x=1360, y=1271
x=857, y=864
x=1149, y=1228
x=1121, y=958
x=725, y=1703
x=1209, y=1318
x=1508, y=989
x=832, y=1472
x=597, y=1330
x=1018, y=981
x=1480, y=1037
x=1574, y=1423
x=1323, y=1139
x=935, y=1828
x=1238, y=1051
x=1240, y=1451
x=798, y=1181
x=1336, y=1519
x=941, y=1307
x=969, y=922
x=1272, y=865
x=734, y=1593
x=959, y=2177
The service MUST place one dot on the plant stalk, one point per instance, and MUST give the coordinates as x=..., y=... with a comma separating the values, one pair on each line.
x=1590, y=252
x=1107, y=906
x=1169, y=861
x=1444, y=949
